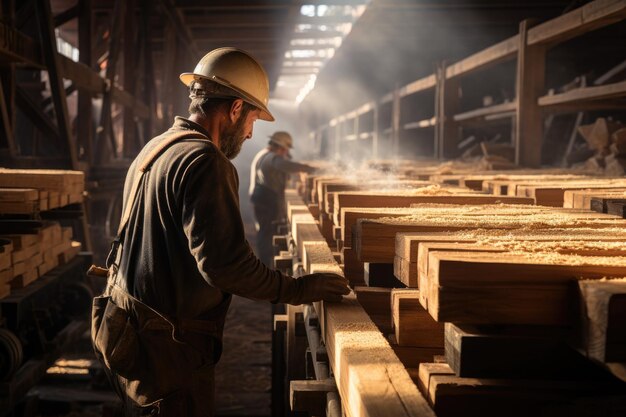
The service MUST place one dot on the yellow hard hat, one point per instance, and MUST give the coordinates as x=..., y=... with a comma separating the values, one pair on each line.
x=282, y=139
x=237, y=70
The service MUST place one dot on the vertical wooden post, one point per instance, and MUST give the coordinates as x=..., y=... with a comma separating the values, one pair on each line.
x=130, y=147
x=375, y=132
x=7, y=87
x=395, y=123
x=84, y=122
x=447, y=130
x=149, y=81
x=106, y=121
x=51, y=56
x=529, y=87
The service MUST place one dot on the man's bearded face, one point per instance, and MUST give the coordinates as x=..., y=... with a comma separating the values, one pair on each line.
x=234, y=136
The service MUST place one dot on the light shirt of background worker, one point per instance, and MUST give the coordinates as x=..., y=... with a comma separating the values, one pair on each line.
x=269, y=173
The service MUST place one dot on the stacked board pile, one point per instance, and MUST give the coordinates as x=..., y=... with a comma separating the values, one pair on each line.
x=526, y=304
x=28, y=191
x=30, y=248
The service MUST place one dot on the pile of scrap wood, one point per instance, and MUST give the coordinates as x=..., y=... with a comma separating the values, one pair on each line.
x=608, y=140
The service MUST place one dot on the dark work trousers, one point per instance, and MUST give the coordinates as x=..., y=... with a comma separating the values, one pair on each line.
x=265, y=203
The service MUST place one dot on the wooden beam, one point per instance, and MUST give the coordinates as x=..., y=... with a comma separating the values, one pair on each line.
x=601, y=92
x=187, y=38
x=502, y=51
x=66, y=16
x=485, y=111
x=422, y=84
x=84, y=122
x=17, y=47
x=447, y=103
x=55, y=75
x=6, y=124
x=591, y=16
x=531, y=64
x=310, y=395
x=130, y=146
x=107, y=134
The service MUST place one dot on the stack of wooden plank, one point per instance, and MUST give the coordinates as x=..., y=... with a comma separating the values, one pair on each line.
x=34, y=251
x=28, y=191
x=506, y=304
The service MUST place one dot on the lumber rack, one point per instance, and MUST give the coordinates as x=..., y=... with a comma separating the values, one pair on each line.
x=427, y=115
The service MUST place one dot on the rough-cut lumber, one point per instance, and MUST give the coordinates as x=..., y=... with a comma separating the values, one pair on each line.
x=411, y=356
x=428, y=196
x=376, y=302
x=310, y=395
x=412, y=324
x=406, y=246
x=304, y=228
x=604, y=323
x=452, y=396
x=510, y=288
x=581, y=199
x=552, y=194
x=501, y=185
x=524, y=352
x=369, y=376
x=529, y=245
x=374, y=239
x=616, y=207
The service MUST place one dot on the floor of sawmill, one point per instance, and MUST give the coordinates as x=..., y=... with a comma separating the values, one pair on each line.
x=243, y=375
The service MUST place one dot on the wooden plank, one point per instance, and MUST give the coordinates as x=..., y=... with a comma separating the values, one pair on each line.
x=481, y=288
x=553, y=194
x=492, y=55
x=591, y=16
x=371, y=380
x=412, y=324
x=374, y=239
x=515, y=352
x=376, y=301
x=422, y=84
x=371, y=199
x=604, y=323
x=369, y=376
x=616, y=207
x=454, y=396
x=18, y=194
x=407, y=244
x=600, y=92
x=581, y=199
x=310, y=395
x=485, y=111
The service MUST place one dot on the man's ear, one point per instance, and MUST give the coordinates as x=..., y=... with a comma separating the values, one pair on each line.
x=235, y=110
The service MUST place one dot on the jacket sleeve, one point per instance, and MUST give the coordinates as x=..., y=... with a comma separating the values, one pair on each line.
x=290, y=167
x=214, y=229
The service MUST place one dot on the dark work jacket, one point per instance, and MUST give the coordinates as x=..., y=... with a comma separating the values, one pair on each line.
x=184, y=249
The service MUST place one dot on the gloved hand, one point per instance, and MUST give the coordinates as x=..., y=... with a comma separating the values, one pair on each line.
x=319, y=286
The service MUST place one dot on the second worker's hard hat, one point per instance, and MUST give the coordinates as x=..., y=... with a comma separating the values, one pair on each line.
x=282, y=139
x=237, y=70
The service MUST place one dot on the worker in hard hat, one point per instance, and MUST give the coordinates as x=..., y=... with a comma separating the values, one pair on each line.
x=269, y=173
x=181, y=252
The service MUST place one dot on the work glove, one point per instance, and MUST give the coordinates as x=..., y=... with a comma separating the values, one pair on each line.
x=319, y=286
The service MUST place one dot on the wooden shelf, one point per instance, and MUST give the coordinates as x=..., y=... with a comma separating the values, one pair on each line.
x=602, y=92
x=487, y=112
x=421, y=124
x=420, y=85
